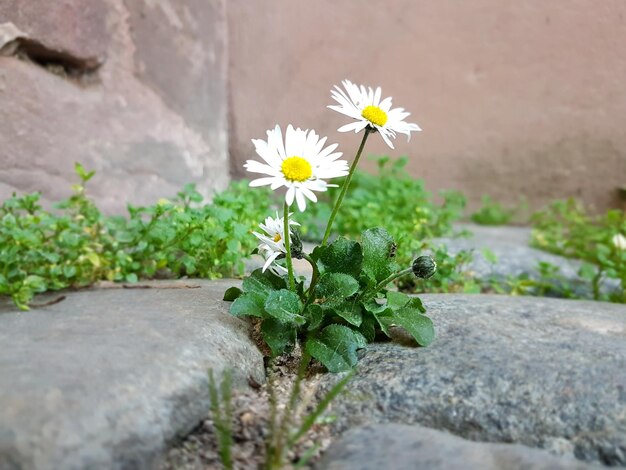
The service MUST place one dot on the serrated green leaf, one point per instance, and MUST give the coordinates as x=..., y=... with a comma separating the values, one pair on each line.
x=336, y=347
x=250, y=304
x=343, y=256
x=350, y=312
x=284, y=306
x=232, y=293
x=335, y=288
x=277, y=335
x=377, y=248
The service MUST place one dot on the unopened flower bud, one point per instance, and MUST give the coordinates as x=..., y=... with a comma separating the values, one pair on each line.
x=296, y=244
x=424, y=267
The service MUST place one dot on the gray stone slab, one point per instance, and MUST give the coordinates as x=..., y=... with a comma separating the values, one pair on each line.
x=107, y=377
x=536, y=371
x=512, y=247
x=398, y=446
x=515, y=256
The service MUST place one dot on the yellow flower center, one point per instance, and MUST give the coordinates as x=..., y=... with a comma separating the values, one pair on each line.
x=296, y=169
x=375, y=115
x=277, y=238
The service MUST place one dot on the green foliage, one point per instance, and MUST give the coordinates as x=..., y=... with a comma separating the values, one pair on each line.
x=345, y=305
x=76, y=245
x=566, y=228
x=493, y=213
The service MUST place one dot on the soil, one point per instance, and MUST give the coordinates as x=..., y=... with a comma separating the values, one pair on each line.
x=250, y=425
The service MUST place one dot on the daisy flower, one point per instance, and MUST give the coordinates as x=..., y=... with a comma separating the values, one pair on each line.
x=272, y=242
x=300, y=163
x=366, y=107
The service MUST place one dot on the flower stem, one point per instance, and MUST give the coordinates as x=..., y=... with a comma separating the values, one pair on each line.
x=346, y=183
x=382, y=284
x=287, y=238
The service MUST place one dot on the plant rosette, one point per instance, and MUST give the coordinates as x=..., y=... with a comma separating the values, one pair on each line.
x=347, y=302
x=345, y=306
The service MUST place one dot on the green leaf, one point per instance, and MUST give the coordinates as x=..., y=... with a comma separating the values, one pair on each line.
x=277, y=335
x=263, y=282
x=416, y=302
x=350, y=312
x=334, y=288
x=377, y=251
x=232, y=293
x=397, y=300
x=250, y=304
x=284, y=306
x=35, y=283
x=131, y=277
x=415, y=323
x=93, y=258
x=336, y=347
x=374, y=307
x=343, y=256
x=368, y=328
x=315, y=314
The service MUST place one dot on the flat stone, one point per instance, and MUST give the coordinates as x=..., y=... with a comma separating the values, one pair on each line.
x=400, y=446
x=545, y=373
x=511, y=245
x=515, y=256
x=108, y=377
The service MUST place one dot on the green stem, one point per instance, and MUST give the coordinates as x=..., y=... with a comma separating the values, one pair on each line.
x=286, y=237
x=386, y=281
x=346, y=183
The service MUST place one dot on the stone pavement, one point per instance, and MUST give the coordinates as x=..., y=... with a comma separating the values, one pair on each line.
x=546, y=373
x=108, y=377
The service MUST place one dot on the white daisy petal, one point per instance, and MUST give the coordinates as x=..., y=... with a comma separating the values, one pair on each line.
x=309, y=194
x=300, y=200
x=365, y=106
x=353, y=126
x=270, y=259
x=261, y=182
x=291, y=192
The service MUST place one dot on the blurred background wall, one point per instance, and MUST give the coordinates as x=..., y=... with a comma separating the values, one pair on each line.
x=514, y=98
x=134, y=89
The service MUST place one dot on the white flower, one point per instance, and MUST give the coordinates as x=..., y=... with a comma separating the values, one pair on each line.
x=300, y=163
x=619, y=241
x=365, y=106
x=272, y=242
